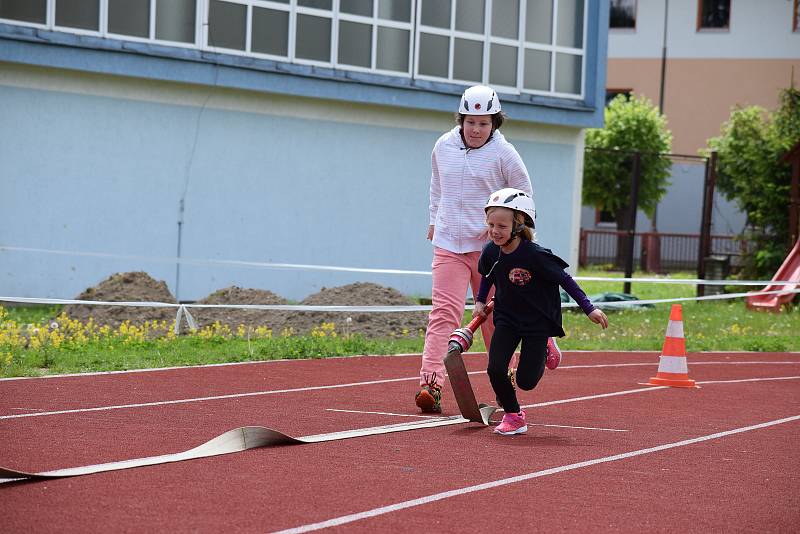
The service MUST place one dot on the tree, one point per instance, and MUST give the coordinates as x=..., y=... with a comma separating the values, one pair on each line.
x=630, y=126
x=751, y=172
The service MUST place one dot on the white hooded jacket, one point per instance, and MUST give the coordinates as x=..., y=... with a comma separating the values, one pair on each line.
x=461, y=181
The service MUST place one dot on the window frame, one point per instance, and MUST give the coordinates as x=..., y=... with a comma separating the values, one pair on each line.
x=413, y=27
x=103, y=32
x=520, y=43
x=701, y=28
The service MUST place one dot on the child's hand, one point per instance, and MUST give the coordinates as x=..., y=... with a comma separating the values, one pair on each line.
x=479, y=307
x=598, y=317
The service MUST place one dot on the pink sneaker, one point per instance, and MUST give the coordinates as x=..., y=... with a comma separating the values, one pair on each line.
x=553, y=353
x=512, y=423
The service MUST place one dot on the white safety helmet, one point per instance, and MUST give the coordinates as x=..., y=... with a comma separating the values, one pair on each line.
x=479, y=100
x=514, y=199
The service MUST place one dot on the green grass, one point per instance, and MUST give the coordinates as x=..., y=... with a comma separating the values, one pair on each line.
x=117, y=356
x=712, y=325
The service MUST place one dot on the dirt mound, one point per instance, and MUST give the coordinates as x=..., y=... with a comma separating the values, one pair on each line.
x=140, y=287
x=234, y=317
x=368, y=324
x=131, y=286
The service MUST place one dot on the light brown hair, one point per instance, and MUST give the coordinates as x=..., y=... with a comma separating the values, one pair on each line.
x=518, y=219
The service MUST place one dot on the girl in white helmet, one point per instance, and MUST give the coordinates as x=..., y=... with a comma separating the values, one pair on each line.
x=527, y=306
x=468, y=162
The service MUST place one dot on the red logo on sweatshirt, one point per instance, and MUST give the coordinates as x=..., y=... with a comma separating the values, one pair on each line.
x=519, y=277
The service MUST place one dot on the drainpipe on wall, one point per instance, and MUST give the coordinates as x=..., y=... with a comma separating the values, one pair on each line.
x=654, y=227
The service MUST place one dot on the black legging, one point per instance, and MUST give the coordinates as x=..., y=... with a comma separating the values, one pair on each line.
x=533, y=354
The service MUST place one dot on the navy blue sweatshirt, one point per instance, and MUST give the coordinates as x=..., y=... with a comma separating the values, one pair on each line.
x=526, y=280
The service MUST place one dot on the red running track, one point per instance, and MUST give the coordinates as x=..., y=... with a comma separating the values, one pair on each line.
x=604, y=453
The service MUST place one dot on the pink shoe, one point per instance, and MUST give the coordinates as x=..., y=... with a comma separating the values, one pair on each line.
x=512, y=423
x=553, y=353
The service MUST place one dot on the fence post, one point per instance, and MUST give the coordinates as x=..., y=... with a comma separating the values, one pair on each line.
x=635, y=175
x=704, y=248
x=582, y=248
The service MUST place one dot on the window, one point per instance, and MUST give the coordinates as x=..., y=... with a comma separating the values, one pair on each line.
x=160, y=20
x=129, y=17
x=611, y=94
x=24, y=10
x=623, y=14
x=518, y=46
x=604, y=219
x=369, y=35
x=175, y=20
x=796, y=17
x=78, y=14
x=713, y=14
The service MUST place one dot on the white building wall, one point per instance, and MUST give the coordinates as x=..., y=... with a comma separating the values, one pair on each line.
x=759, y=29
x=99, y=164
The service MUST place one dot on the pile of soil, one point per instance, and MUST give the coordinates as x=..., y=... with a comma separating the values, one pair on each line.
x=234, y=317
x=119, y=287
x=371, y=324
x=140, y=287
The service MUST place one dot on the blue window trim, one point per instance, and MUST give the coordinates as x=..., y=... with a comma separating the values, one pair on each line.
x=26, y=45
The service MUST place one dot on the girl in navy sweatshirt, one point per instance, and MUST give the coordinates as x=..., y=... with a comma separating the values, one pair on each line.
x=527, y=307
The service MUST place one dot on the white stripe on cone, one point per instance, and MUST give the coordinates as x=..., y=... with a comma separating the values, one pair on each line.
x=675, y=329
x=673, y=364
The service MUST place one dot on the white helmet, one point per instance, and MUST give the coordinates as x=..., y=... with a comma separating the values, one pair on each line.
x=514, y=199
x=479, y=100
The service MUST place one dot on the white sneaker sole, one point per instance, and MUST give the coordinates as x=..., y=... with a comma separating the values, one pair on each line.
x=520, y=430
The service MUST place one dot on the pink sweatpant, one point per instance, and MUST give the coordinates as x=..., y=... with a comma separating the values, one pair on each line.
x=452, y=274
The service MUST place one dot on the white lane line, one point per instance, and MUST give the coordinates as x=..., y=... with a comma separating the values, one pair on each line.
x=334, y=386
x=434, y=416
x=381, y=413
x=190, y=367
x=273, y=392
x=581, y=427
x=583, y=353
x=204, y=399
x=653, y=388
x=690, y=363
x=737, y=381
x=351, y=518
x=592, y=397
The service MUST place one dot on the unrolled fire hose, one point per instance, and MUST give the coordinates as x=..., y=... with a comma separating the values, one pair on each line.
x=252, y=437
x=461, y=341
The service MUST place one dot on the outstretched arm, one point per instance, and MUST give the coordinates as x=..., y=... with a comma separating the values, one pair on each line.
x=573, y=290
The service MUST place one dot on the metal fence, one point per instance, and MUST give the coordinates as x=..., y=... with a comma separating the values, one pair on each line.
x=655, y=251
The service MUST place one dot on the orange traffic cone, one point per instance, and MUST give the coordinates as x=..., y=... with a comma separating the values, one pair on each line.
x=672, y=369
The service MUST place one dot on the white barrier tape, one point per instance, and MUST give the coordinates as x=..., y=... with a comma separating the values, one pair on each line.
x=365, y=309
x=691, y=281
x=310, y=267
x=276, y=307
x=239, y=263
x=36, y=300
x=724, y=296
